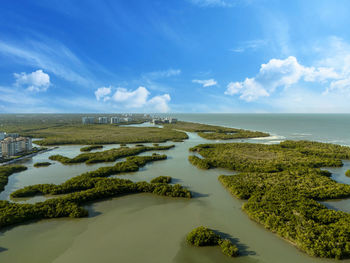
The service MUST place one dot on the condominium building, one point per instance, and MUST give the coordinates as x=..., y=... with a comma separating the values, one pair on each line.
x=102, y=120
x=115, y=120
x=12, y=146
x=88, y=120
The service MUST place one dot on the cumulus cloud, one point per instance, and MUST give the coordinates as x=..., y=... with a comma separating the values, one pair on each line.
x=249, y=90
x=134, y=99
x=36, y=81
x=205, y=82
x=131, y=99
x=160, y=103
x=278, y=73
x=102, y=93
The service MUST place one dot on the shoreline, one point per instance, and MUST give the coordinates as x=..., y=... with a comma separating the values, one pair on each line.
x=27, y=156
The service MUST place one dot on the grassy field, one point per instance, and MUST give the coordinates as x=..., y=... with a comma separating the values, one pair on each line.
x=102, y=134
x=283, y=185
x=212, y=132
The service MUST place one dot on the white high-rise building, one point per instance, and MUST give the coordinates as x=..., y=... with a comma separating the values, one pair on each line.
x=102, y=120
x=115, y=120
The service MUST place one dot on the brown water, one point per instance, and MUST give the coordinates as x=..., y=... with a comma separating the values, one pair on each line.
x=144, y=227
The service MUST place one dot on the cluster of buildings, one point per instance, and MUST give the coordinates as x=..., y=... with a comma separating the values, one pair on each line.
x=11, y=144
x=105, y=120
x=164, y=120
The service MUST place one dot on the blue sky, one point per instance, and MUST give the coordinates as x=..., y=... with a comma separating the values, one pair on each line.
x=174, y=56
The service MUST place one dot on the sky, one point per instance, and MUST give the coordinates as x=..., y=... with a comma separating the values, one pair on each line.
x=175, y=56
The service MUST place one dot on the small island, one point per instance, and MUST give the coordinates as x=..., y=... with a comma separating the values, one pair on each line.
x=90, y=148
x=42, y=164
x=203, y=236
x=347, y=173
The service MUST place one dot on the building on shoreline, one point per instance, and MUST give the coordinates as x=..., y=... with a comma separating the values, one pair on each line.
x=115, y=120
x=164, y=120
x=102, y=120
x=13, y=144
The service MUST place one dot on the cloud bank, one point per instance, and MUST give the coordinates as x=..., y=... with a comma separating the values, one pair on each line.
x=279, y=73
x=137, y=99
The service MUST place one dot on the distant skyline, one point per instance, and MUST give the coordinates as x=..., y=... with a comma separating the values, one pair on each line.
x=177, y=56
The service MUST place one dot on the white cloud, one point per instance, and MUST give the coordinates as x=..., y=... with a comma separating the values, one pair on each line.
x=205, y=82
x=160, y=103
x=137, y=99
x=249, y=90
x=249, y=45
x=279, y=73
x=211, y=3
x=131, y=99
x=103, y=92
x=36, y=81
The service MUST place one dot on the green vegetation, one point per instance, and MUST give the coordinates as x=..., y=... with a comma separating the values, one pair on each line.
x=200, y=163
x=347, y=173
x=228, y=248
x=102, y=134
x=90, y=148
x=43, y=164
x=283, y=184
x=108, y=155
x=161, y=180
x=82, y=189
x=212, y=132
x=202, y=236
x=6, y=171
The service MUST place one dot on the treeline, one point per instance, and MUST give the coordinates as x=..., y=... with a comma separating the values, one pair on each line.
x=203, y=236
x=6, y=171
x=99, y=134
x=161, y=179
x=212, y=132
x=87, y=187
x=108, y=155
x=283, y=185
x=90, y=148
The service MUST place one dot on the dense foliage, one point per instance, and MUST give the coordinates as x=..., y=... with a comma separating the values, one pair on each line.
x=6, y=171
x=283, y=184
x=228, y=248
x=203, y=236
x=108, y=155
x=42, y=164
x=82, y=189
x=212, y=132
x=161, y=179
x=347, y=173
x=90, y=148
